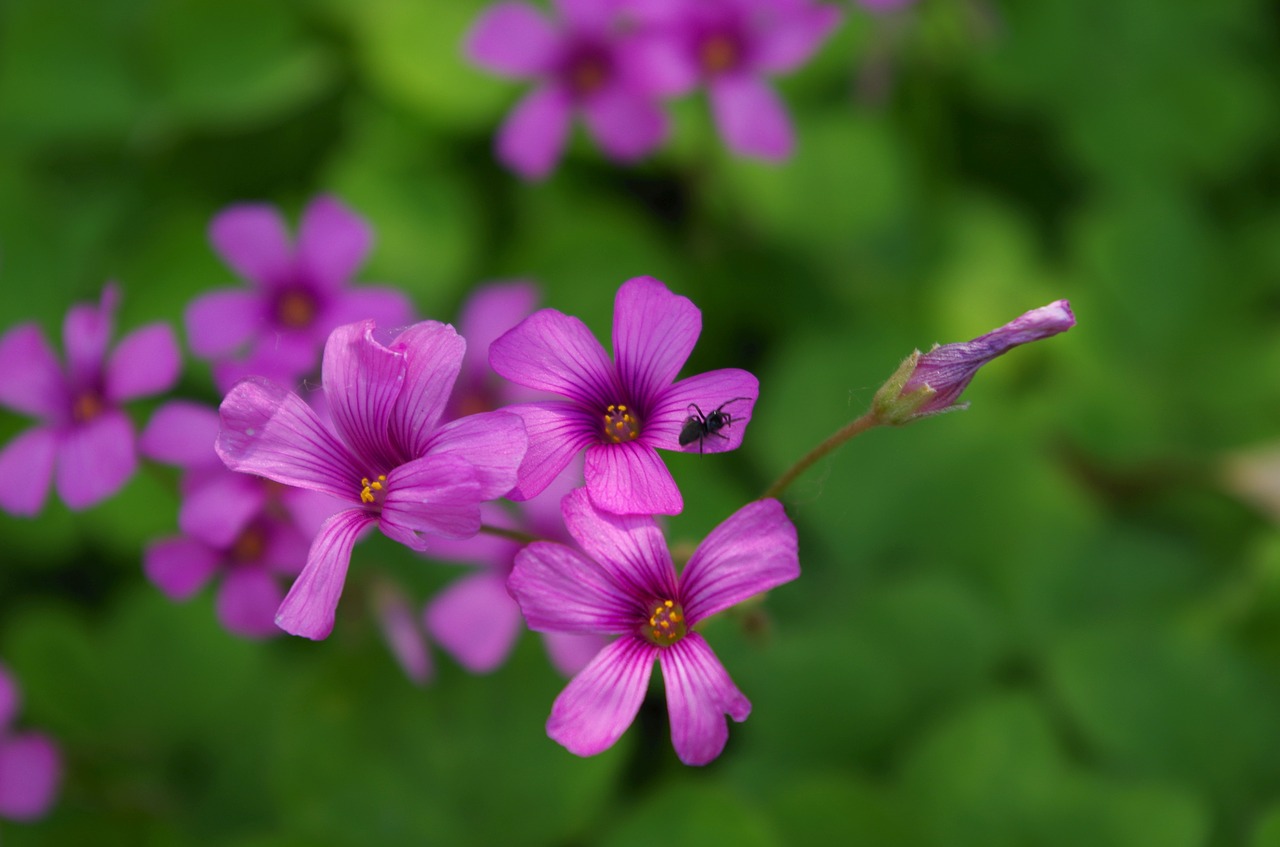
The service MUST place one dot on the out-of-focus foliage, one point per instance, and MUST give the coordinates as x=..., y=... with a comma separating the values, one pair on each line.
x=1046, y=620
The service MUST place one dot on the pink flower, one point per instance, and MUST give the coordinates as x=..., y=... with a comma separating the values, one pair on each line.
x=732, y=46
x=487, y=314
x=85, y=440
x=388, y=460
x=584, y=66
x=621, y=411
x=298, y=292
x=931, y=383
x=626, y=585
x=251, y=532
x=30, y=765
x=475, y=619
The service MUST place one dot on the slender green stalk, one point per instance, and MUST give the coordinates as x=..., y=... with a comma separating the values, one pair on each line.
x=849, y=430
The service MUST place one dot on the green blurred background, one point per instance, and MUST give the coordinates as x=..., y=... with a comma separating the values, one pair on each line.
x=1044, y=621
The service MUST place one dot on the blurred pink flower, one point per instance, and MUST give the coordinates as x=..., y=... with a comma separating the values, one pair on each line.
x=30, y=764
x=582, y=63
x=85, y=440
x=299, y=292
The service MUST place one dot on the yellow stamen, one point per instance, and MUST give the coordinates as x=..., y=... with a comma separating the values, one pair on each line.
x=666, y=624
x=620, y=425
x=367, y=492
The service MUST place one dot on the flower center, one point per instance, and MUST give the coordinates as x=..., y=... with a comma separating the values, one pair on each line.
x=250, y=546
x=620, y=424
x=296, y=309
x=587, y=76
x=719, y=53
x=373, y=491
x=666, y=625
x=86, y=407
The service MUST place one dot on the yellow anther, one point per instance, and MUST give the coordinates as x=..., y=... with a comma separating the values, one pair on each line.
x=666, y=624
x=619, y=424
x=366, y=492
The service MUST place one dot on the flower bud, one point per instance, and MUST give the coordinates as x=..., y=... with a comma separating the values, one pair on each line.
x=930, y=383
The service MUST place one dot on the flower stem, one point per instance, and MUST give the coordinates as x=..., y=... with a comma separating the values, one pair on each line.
x=510, y=534
x=840, y=436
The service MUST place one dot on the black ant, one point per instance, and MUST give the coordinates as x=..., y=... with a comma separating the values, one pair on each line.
x=698, y=426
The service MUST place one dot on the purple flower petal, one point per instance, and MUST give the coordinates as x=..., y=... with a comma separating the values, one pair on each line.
x=596, y=15
x=658, y=64
x=220, y=505
x=308, y=509
x=626, y=123
x=751, y=552
x=181, y=433
x=629, y=547
x=333, y=242
x=30, y=773
x=948, y=369
x=432, y=353
x=598, y=704
x=26, y=463
x=95, y=459
x=475, y=621
x=489, y=312
x=286, y=547
x=179, y=566
x=493, y=442
x=570, y=652
x=560, y=590
x=551, y=351
x=557, y=432
x=288, y=352
x=362, y=382
x=9, y=699
x=253, y=240
x=512, y=39
x=543, y=514
x=532, y=138
x=145, y=362
x=311, y=604
x=435, y=495
x=699, y=695
x=794, y=38
x=751, y=118
x=386, y=307
x=653, y=334
x=220, y=322
x=31, y=380
x=86, y=330
x=631, y=479
x=732, y=391
x=400, y=629
x=247, y=602
x=402, y=633
x=271, y=432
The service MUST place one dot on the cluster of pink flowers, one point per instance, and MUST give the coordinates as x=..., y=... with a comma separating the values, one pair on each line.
x=613, y=62
x=418, y=430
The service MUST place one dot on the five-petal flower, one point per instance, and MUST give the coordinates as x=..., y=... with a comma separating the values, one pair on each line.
x=388, y=460
x=585, y=66
x=621, y=411
x=626, y=585
x=299, y=292
x=86, y=441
